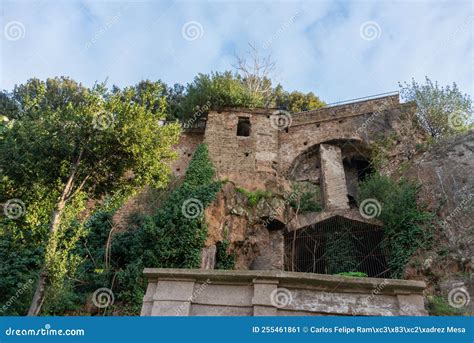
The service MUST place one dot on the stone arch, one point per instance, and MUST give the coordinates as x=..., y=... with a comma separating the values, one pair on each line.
x=351, y=148
x=306, y=167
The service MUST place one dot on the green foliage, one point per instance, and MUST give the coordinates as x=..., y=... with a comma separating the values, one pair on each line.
x=64, y=143
x=224, y=260
x=254, y=197
x=406, y=226
x=340, y=252
x=295, y=101
x=381, y=149
x=217, y=90
x=307, y=197
x=170, y=239
x=20, y=259
x=441, y=111
x=353, y=274
x=439, y=306
x=167, y=239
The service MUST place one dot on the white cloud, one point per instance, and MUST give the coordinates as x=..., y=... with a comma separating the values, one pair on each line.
x=319, y=50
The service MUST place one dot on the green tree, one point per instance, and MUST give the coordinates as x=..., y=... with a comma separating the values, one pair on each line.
x=296, y=101
x=67, y=143
x=441, y=111
x=216, y=90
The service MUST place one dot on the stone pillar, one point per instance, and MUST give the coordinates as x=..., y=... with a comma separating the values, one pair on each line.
x=262, y=293
x=333, y=179
x=411, y=304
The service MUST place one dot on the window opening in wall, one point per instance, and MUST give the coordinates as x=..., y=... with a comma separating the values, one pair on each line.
x=243, y=127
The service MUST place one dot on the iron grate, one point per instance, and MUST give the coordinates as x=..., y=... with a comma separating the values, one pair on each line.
x=337, y=245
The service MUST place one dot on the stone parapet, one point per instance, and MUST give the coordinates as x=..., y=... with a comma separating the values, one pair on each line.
x=192, y=292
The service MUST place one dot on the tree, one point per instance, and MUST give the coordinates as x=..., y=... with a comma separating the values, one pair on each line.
x=255, y=71
x=296, y=101
x=66, y=143
x=175, y=96
x=441, y=111
x=216, y=90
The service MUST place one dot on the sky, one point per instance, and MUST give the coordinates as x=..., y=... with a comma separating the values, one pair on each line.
x=339, y=50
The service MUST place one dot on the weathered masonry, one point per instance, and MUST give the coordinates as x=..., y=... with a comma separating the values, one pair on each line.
x=266, y=149
x=184, y=292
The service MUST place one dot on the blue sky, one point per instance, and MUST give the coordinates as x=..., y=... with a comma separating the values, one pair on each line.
x=337, y=49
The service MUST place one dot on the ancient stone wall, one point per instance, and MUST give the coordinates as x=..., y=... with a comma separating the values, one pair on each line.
x=270, y=154
x=249, y=160
x=322, y=147
x=188, y=143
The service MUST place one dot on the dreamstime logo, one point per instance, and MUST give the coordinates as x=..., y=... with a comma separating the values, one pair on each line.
x=23, y=288
x=281, y=297
x=458, y=119
x=280, y=120
x=199, y=112
x=370, y=208
x=103, y=120
x=281, y=30
x=192, y=208
x=458, y=297
x=196, y=293
x=14, y=208
x=372, y=118
x=14, y=30
x=192, y=30
x=103, y=297
x=370, y=30
x=103, y=30
x=458, y=210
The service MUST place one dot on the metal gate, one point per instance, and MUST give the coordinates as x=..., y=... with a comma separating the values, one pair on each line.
x=337, y=245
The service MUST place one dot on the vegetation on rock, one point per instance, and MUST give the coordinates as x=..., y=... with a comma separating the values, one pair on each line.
x=306, y=197
x=407, y=227
x=255, y=196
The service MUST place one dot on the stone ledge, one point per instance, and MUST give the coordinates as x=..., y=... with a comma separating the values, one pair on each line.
x=306, y=219
x=360, y=284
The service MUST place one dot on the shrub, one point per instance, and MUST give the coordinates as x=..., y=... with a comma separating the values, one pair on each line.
x=254, y=197
x=340, y=252
x=174, y=237
x=406, y=226
x=307, y=199
x=438, y=306
x=224, y=260
x=353, y=274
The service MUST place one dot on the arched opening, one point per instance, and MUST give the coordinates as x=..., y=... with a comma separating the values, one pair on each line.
x=355, y=160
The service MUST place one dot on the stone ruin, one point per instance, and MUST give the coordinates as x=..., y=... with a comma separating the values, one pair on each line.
x=278, y=249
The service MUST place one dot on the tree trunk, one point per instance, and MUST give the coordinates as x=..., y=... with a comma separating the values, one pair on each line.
x=38, y=297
